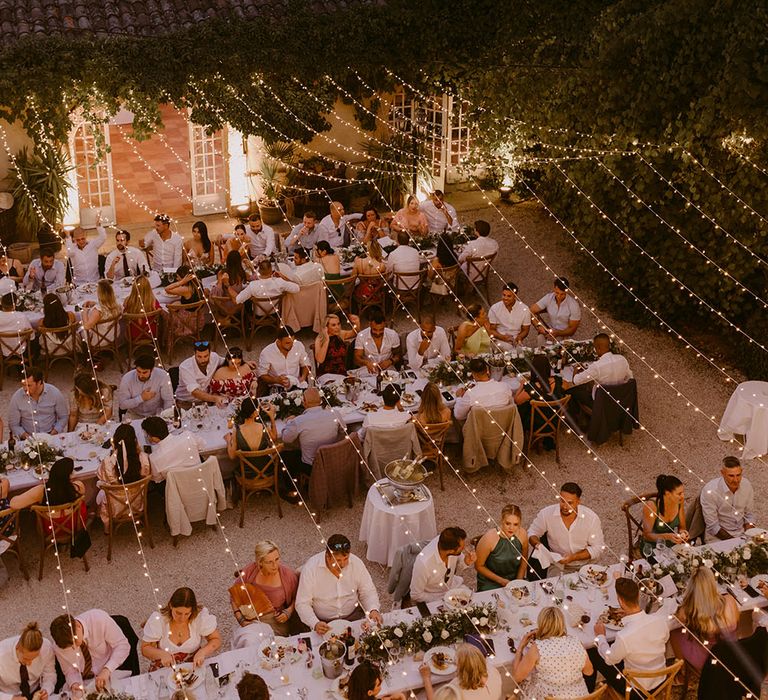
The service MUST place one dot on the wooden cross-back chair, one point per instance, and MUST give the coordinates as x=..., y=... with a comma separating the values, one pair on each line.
x=254, y=478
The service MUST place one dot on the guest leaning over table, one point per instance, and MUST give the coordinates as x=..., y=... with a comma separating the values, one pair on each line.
x=502, y=554
x=146, y=390
x=365, y=682
x=664, y=519
x=640, y=645
x=38, y=407
x=728, y=503
x=27, y=665
x=170, y=451
x=180, y=632
x=550, y=662
x=284, y=362
x=434, y=570
x=573, y=531
x=325, y=595
x=377, y=347
x=252, y=687
x=266, y=592
x=195, y=375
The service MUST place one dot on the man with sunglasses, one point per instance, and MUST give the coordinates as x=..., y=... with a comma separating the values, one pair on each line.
x=335, y=585
x=195, y=375
x=434, y=571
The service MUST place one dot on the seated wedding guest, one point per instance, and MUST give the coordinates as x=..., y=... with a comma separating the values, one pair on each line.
x=261, y=238
x=445, y=258
x=59, y=490
x=199, y=249
x=331, y=345
x=427, y=342
x=640, y=645
x=91, y=645
x=549, y=662
x=377, y=347
x=510, y=319
x=336, y=228
x=56, y=316
x=38, y=407
x=231, y=280
x=91, y=401
x=145, y=390
x=125, y=464
x=329, y=260
x=124, y=260
x=390, y=415
x=271, y=593
x=432, y=409
x=707, y=615
x=316, y=427
x=435, y=567
x=235, y=242
x=404, y=259
x=27, y=666
x=664, y=519
x=12, y=321
x=486, y=392
x=573, y=531
x=365, y=682
x=284, y=362
x=10, y=267
x=251, y=434
x=372, y=265
x=475, y=678
x=303, y=235
x=83, y=255
x=269, y=283
x=188, y=288
x=474, y=335
x=142, y=301
x=235, y=377
x=411, y=219
x=441, y=216
x=502, y=554
x=324, y=594
x=196, y=373
x=370, y=226
x=481, y=247
x=45, y=273
x=103, y=310
x=252, y=687
x=728, y=502
x=6, y=525
x=180, y=632
x=562, y=309
x=166, y=246
x=170, y=451
x=608, y=370
x=305, y=271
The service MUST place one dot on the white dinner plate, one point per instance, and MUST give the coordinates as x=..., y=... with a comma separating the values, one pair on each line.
x=757, y=579
x=337, y=628
x=455, y=598
x=519, y=592
x=449, y=669
x=590, y=573
x=185, y=669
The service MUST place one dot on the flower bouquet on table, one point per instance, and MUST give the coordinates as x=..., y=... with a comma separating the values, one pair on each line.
x=202, y=270
x=330, y=394
x=347, y=255
x=28, y=301
x=108, y=695
x=38, y=454
x=6, y=457
x=378, y=645
x=287, y=404
x=450, y=373
x=424, y=242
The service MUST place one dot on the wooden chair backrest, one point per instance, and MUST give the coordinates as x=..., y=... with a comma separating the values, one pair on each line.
x=478, y=268
x=118, y=496
x=635, y=522
x=50, y=522
x=660, y=692
x=597, y=695
x=9, y=532
x=225, y=311
x=550, y=413
x=15, y=344
x=408, y=283
x=53, y=345
x=261, y=477
x=432, y=437
x=105, y=333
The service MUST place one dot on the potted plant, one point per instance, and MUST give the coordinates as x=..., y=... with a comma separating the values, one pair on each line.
x=277, y=156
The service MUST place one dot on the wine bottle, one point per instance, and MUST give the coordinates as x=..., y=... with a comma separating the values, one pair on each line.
x=349, y=653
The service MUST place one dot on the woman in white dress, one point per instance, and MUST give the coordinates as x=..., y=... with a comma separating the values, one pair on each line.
x=549, y=662
x=180, y=632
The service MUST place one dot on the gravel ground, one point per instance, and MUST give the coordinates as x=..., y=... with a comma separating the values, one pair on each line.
x=677, y=439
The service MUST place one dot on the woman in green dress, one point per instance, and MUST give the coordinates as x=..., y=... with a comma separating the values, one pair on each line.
x=502, y=555
x=664, y=518
x=474, y=335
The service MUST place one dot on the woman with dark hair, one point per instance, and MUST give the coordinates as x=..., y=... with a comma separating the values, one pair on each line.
x=235, y=377
x=664, y=518
x=10, y=267
x=250, y=434
x=474, y=334
x=56, y=316
x=329, y=260
x=231, y=281
x=187, y=288
x=199, y=248
x=445, y=259
x=180, y=632
x=369, y=226
x=365, y=682
x=126, y=464
x=91, y=401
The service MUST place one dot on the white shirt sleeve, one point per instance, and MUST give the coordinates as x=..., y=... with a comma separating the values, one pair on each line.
x=366, y=591
x=412, y=342
x=187, y=376
x=304, y=599
x=596, y=541
x=206, y=623
x=419, y=580
x=154, y=628
x=178, y=249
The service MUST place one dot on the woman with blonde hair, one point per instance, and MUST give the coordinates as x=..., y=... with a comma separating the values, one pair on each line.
x=105, y=308
x=331, y=345
x=35, y=654
x=474, y=334
x=266, y=591
x=475, y=679
x=141, y=300
x=411, y=219
x=706, y=617
x=91, y=401
x=502, y=554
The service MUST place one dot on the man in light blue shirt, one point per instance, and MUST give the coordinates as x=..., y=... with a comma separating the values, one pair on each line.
x=37, y=407
x=146, y=390
x=313, y=429
x=45, y=274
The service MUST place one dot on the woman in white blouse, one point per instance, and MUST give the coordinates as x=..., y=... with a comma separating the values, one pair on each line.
x=180, y=632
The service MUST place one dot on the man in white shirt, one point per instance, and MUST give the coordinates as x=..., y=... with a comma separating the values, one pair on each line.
x=303, y=235
x=84, y=254
x=27, y=665
x=124, y=260
x=284, y=362
x=91, y=645
x=640, y=645
x=377, y=347
x=405, y=260
x=261, y=238
x=481, y=247
x=166, y=246
x=170, y=451
x=435, y=567
x=573, y=531
x=608, y=370
x=391, y=415
x=486, y=392
x=562, y=309
x=336, y=227
x=269, y=283
x=45, y=274
x=12, y=321
x=335, y=585
x=441, y=216
x=305, y=272
x=728, y=503
x=427, y=342
x=195, y=375
x=510, y=319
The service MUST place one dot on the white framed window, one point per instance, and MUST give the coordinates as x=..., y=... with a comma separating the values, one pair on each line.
x=93, y=173
x=208, y=170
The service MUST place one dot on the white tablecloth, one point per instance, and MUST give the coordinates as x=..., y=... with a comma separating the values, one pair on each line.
x=747, y=414
x=387, y=527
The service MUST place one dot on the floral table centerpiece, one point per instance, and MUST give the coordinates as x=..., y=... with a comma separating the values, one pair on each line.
x=28, y=301
x=38, y=454
x=348, y=255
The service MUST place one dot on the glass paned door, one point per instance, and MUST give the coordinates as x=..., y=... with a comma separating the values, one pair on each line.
x=209, y=170
x=94, y=176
